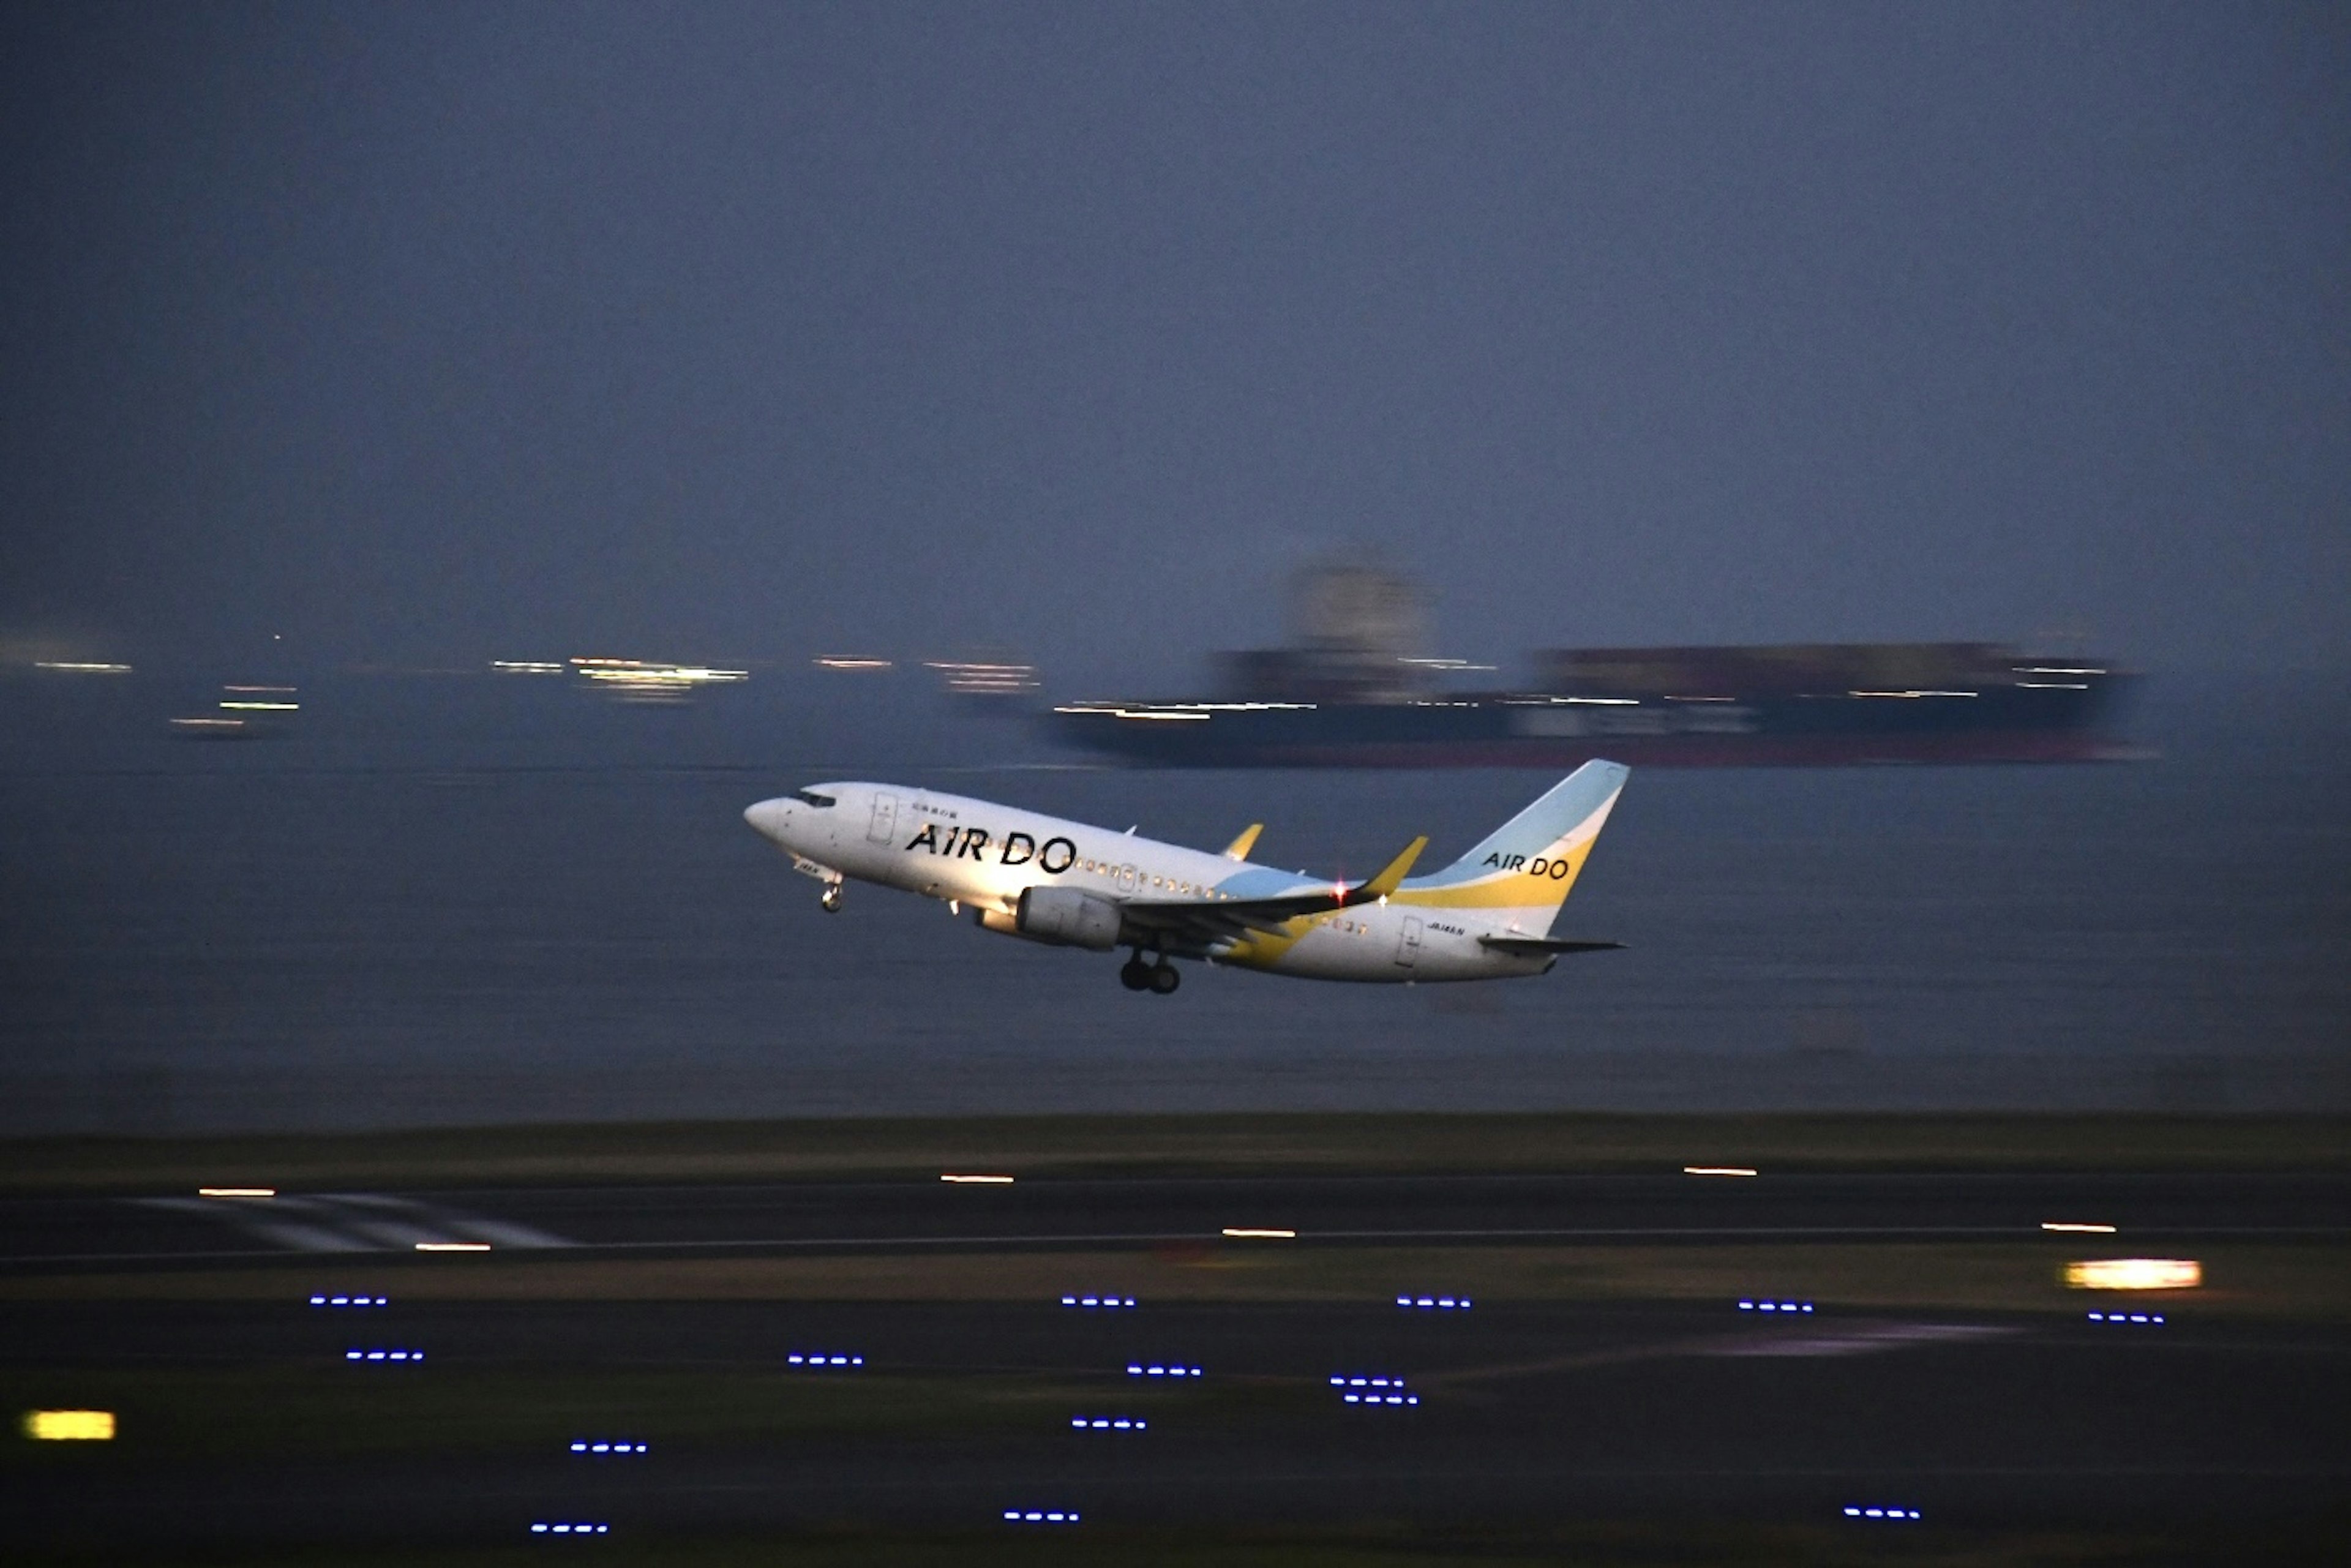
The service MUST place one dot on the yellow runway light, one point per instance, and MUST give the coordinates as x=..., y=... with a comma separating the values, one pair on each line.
x=2079, y=1227
x=453, y=1247
x=69, y=1425
x=236, y=1192
x=1718, y=1170
x=977, y=1180
x=2134, y=1274
x=1258, y=1233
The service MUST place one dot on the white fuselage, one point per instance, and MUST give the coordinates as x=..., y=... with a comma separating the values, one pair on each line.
x=982, y=855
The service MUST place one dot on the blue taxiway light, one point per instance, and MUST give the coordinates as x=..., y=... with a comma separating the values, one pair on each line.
x=797, y=1359
x=350, y=1301
x=1435, y=1304
x=384, y=1356
x=1097, y=1301
x=1040, y=1516
x=2126, y=1317
x=1905, y=1514
x=571, y=1529
x=1156, y=1369
x=585, y=1446
x=1760, y=1305
x=1377, y=1390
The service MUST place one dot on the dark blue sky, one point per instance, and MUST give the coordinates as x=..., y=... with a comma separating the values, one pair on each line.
x=438, y=333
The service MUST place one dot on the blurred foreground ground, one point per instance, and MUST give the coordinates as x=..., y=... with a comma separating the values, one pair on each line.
x=1606, y=1398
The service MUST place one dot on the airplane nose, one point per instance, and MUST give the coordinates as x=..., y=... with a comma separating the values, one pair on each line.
x=766, y=817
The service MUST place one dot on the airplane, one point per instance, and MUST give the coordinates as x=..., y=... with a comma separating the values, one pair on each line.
x=1486, y=917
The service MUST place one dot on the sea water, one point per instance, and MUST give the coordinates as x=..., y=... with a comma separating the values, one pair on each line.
x=464, y=899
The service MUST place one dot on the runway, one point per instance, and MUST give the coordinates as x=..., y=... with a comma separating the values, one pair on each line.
x=306, y=1373
x=953, y=1413
x=181, y=1230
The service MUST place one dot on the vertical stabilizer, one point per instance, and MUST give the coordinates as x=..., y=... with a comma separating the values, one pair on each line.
x=1518, y=876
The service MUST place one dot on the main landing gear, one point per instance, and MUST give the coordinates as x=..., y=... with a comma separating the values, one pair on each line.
x=1137, y=976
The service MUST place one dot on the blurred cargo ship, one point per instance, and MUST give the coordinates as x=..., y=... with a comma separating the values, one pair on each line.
x=1356, y=690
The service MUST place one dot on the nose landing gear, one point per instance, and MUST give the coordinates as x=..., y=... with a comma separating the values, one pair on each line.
x=830, y=898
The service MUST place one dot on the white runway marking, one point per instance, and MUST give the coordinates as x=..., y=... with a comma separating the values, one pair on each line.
x=360, y=1222
x=1860, y=1339
x=305, y=1237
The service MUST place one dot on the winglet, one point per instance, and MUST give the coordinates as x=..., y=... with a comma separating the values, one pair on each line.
x=1239, y=848
x=1385, y=883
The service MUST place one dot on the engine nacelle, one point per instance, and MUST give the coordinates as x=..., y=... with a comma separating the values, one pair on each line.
x=1068, y=918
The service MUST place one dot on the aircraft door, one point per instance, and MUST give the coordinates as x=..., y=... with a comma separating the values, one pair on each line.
x=1409, y=944
x=1126, y=879
x=883, y=828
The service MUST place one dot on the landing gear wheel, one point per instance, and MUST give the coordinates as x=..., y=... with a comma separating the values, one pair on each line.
x=831, y=899
x=1165, y=979
x=1134, y=974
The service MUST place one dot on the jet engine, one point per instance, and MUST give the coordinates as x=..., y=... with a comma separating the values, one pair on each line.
x=1068, y=918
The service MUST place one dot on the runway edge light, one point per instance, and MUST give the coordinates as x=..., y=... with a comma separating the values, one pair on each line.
x=2134, y=1274
x=69, y=1425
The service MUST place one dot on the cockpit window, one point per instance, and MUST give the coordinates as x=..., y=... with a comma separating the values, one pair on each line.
x=812, y=798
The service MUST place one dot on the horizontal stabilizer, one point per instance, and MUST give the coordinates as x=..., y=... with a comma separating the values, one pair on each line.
x=1534, y=947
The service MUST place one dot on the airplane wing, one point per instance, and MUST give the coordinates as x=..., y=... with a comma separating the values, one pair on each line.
x=1533, y=946
x=1200, y=922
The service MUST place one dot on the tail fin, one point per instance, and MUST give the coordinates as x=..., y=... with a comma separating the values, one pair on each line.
x=1523, y=870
